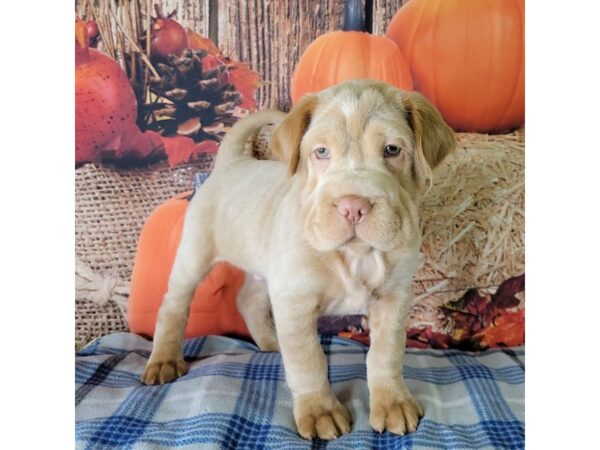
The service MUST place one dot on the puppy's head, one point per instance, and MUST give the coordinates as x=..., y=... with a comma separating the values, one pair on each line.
x=365, y=152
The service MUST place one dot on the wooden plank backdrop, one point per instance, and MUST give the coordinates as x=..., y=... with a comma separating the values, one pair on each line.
x=270, y=35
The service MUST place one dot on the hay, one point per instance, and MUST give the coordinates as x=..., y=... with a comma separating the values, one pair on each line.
x=472, y=221
x=473, y=224
x=475, y=209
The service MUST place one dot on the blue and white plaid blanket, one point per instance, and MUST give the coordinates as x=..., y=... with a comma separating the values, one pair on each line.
x=235, y=396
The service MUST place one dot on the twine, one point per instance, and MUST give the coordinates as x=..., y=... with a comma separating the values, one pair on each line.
x=100, y=288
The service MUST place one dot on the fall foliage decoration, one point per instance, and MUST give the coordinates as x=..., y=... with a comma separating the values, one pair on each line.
x=479, y=321
x=196, y=91
x=105, y=114
x=244, y=80
x=347, y=55
x=467, y=58
x=153, y=53
x=213, y=309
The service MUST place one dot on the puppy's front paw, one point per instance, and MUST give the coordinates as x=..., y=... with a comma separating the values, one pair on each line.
x=397, y=414
x=161, y=372
x=321, y=416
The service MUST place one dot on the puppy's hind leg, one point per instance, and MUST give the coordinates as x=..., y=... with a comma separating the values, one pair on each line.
x=192, y=263
x=255, y=307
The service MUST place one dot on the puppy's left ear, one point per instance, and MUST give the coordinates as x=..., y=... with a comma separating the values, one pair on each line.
x=434, y=139
x=285, y=144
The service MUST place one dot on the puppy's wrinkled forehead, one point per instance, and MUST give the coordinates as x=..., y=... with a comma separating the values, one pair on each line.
x=353, y=107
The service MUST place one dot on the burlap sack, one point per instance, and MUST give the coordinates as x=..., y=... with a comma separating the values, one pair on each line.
x=472, y=220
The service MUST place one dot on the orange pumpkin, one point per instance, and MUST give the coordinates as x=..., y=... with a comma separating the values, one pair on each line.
x=467, y=57
x=349, y=55
x=213, y=309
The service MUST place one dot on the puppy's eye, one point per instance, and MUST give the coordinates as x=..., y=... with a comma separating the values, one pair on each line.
x=322, y=153
x=391, y=150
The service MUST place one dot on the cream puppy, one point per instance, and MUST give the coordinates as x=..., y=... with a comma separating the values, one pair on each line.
x=334, y=230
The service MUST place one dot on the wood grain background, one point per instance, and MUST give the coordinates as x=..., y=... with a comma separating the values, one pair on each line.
x=270, y=34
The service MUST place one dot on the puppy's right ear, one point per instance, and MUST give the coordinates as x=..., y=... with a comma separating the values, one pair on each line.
x=285, y=144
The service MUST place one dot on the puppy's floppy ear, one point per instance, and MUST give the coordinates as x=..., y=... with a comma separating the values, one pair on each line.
x=285, y=144
x=434, y=139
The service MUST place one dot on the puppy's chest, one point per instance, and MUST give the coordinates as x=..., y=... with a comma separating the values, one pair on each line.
x=356, y=279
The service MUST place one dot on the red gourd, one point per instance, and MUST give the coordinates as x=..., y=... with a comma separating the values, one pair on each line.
x=105, y=105
x=93, y=32
x=168, y=36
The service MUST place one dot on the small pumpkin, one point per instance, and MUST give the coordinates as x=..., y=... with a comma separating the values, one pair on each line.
x=213, y=310
x=349, y=54
x=467, y=58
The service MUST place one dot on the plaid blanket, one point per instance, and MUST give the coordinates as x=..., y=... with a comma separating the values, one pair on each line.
x=235, y=396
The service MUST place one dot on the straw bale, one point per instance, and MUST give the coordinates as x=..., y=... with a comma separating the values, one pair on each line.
x=473, y=217
x=473, y=224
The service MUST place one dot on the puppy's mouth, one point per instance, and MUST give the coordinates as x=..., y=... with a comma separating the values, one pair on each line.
x=380, y=227
x=355, y=238
x=352, y=230
x=354, y=241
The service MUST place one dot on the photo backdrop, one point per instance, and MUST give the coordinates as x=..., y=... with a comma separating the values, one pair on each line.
x=269, y=35
x=469, y=291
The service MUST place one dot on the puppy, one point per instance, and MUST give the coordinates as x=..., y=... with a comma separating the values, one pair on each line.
x=333, y=230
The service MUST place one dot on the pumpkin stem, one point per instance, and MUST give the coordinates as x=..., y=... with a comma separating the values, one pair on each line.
x=354, y=16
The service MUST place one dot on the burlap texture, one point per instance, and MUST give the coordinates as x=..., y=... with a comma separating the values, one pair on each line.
x=472, y=220
x=111, y=206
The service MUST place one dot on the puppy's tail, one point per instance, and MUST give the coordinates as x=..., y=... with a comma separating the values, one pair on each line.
x=233, y=147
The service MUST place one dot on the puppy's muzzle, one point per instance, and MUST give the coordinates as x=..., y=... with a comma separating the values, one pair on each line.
x=353, y=208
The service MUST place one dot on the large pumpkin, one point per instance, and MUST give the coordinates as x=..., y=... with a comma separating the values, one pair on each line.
x=213, y=309
x=349, y=55
x=467, y=57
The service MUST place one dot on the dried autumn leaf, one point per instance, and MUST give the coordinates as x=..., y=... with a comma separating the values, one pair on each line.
x=505, y=297
x=415, y=343
x=178, y=149
x=198, y=42
x=466, y=311
x=426, y=337
x=181, y=149
x=242, y=77
x=133, y=143
x=245, y=81
x=207, y=146
x=363, y=338
x=466, y=302
x=507, y=330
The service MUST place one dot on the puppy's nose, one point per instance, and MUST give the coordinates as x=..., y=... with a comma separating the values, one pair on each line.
x=353, y=208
